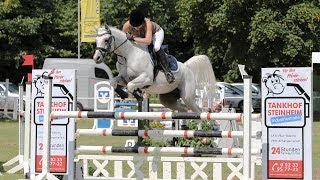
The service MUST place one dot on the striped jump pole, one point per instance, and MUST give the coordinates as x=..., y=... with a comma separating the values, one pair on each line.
x=238, y=117
x=122, y=104
x=163, y=133
x=162, y=150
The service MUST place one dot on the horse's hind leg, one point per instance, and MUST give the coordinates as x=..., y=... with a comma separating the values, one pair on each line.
x=170, y=100
x=189, y=98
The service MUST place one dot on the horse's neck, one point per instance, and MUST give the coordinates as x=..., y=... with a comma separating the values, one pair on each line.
x=120, y=38
x=128, y=48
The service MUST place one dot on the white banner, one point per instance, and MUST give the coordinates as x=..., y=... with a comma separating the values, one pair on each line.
x=287, y=127
x=62, y=129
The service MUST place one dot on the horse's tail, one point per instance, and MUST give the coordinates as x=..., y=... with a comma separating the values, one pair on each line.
x=201, y=67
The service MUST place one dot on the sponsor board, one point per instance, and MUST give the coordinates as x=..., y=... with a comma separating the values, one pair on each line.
x=287, y=126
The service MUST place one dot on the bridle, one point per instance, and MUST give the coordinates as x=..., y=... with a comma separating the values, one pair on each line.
x=106, y=50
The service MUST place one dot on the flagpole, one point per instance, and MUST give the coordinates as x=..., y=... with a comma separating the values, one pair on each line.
x=79, y=29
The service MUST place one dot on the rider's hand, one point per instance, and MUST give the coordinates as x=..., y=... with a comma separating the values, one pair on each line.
x=130, y=37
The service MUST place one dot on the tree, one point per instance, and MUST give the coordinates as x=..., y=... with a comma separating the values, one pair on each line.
x=43, y=28
x=255, y=33
x=231, y=32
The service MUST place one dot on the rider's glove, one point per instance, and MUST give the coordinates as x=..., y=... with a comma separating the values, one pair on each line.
x=130, y=37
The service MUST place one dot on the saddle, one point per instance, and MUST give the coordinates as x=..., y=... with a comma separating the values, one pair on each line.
x=173, y=65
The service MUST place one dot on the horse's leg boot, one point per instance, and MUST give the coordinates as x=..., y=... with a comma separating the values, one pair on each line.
x=165, y=65
x=138, y=95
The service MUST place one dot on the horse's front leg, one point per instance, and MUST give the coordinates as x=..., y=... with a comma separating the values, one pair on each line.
x=139, y=82
x=117, y=80
x=120, y=78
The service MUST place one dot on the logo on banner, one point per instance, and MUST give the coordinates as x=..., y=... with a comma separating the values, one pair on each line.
x=103, y=95
x=287, y=103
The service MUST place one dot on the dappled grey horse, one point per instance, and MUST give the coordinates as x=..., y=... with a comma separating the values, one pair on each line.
x=135, y=69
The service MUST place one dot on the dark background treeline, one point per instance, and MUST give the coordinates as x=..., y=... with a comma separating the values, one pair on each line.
x=257, y=34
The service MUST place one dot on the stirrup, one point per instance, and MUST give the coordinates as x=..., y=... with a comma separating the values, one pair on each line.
x=170, y=77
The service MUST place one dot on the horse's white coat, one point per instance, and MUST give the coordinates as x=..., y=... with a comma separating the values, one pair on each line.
x=136, y=71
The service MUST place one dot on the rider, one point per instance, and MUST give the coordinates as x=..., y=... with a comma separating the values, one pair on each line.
x=144, y=31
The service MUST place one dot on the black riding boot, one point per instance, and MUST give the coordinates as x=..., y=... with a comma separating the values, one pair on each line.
x=165, y=65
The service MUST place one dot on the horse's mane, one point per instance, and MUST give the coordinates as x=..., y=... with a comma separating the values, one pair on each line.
x=119, y=32
x=115, y=29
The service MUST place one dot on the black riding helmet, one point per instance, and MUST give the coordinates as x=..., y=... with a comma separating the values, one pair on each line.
x=136, y=18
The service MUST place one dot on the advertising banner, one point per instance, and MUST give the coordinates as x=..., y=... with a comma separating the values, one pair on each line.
x=287, y=123
x=103, y=102
x=62, y=129
x=90, y=19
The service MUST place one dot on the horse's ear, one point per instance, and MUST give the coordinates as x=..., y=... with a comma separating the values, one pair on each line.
x=107, y=28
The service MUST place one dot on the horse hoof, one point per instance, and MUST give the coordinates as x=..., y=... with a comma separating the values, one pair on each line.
x=146, y=95
x=138, y=95
x=130, y=87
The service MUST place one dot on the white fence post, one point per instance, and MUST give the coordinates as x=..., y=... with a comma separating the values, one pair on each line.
x=19, y=158
x=6, y=99
x=15, y=110
x=247, y=107
x=45, y=174
x=27, y=122
x=21, y=125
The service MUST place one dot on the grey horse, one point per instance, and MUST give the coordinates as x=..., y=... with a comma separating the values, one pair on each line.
x=135, y=69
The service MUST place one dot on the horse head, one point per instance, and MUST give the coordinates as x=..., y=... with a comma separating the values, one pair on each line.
x=104, y=40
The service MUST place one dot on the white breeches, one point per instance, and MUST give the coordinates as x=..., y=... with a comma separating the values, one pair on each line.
x=157, y=40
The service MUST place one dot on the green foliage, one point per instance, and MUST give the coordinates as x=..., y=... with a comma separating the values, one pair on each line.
x=154, y=142
x=254, y=33
x=43, y=28
x=7, y=6
x=289, y=37
x=182, y=142
x=195, y=142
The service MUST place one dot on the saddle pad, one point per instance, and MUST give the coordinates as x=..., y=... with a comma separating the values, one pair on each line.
x=173, y=63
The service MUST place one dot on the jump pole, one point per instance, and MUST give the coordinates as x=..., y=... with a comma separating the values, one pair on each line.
x=163, y=133
x=163, y=150
x=122, y=104
x=238, y=117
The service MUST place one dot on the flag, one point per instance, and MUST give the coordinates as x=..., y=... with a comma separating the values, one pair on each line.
x=28, y=61
x=90, y=19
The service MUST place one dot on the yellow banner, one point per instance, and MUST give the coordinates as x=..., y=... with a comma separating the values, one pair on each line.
x=90, y=19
